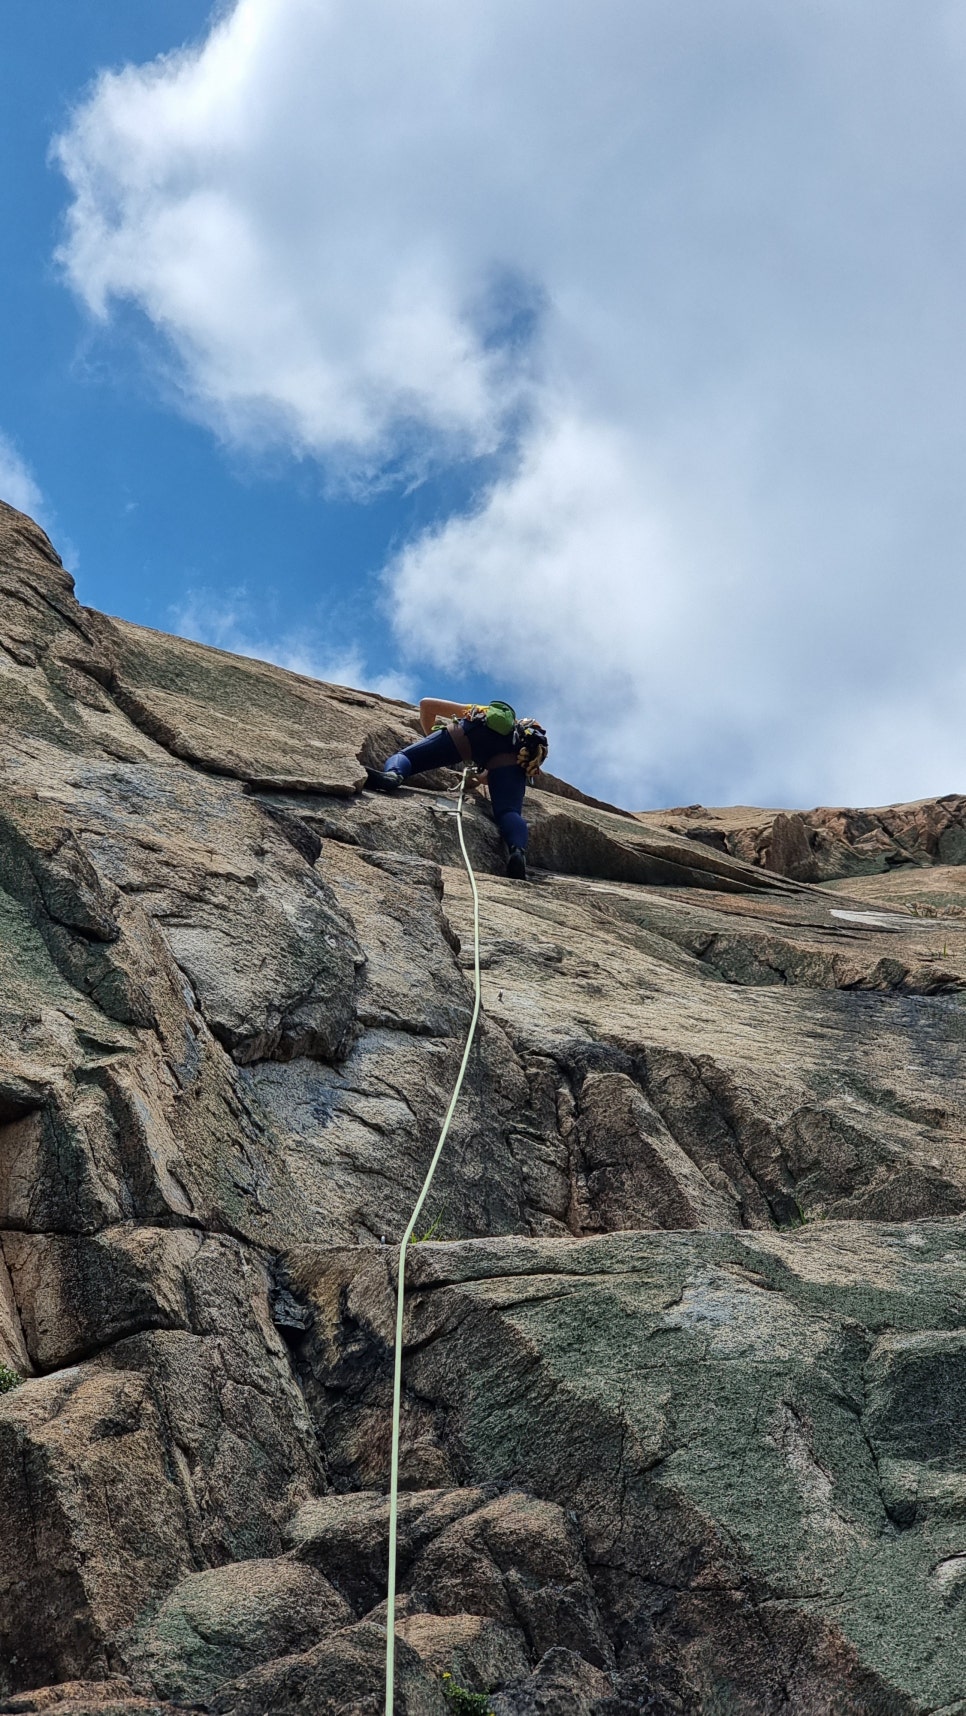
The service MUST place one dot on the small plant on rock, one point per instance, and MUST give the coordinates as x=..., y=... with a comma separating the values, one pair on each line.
x=795, y=1217
x=432, y=1232
x=8, y=1378
x=464, y=1702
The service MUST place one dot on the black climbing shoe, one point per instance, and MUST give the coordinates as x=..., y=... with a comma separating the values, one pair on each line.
x=384, y=780
x=516, y=863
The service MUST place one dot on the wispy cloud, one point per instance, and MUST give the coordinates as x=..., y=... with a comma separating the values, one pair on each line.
x=230, y=620
x=18, y=487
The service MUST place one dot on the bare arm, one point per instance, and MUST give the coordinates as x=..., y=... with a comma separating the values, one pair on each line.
x=431, y=708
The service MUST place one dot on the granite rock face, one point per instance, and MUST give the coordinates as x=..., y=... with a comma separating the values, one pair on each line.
x=685, y=1369
x=826, y=845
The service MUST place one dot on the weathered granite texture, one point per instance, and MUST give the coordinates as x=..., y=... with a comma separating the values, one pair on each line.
x=685, y=1378
x=826, y=844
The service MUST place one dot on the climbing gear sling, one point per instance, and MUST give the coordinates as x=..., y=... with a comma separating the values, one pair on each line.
x=498, y=716
x=458, y=736
x=401, y=1271
x=527, y=740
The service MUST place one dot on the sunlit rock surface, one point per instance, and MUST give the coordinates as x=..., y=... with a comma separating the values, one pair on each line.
x=826, y=844
x=685, y=1380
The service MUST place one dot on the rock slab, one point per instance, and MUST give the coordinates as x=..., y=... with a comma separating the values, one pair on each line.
x=685, y=1374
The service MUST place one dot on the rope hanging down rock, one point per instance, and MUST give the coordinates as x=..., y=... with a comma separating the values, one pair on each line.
x=401, y=1271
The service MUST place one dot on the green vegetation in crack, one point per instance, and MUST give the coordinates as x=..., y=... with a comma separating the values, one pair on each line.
x=463, y=1702
x=9, y=1379
x=432, y=1232
x=799, y=1217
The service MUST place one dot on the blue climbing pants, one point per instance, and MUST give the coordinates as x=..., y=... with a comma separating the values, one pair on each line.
x=507, y=785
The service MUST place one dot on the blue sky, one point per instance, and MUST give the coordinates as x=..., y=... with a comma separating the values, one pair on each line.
x=160, y=521
x=606, y=355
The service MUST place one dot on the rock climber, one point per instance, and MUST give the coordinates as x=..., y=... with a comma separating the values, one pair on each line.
x=506, y=753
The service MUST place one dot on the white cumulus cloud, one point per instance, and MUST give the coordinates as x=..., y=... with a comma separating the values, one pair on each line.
x=690, y=276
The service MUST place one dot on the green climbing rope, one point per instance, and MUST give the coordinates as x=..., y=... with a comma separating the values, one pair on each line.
x=401, y=1271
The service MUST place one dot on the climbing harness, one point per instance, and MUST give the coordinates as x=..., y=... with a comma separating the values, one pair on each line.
x=527, y=744
x=401, y=1272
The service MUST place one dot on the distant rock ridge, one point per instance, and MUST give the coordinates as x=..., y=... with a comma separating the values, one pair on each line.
x=827, y=845
x=685, y=1363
